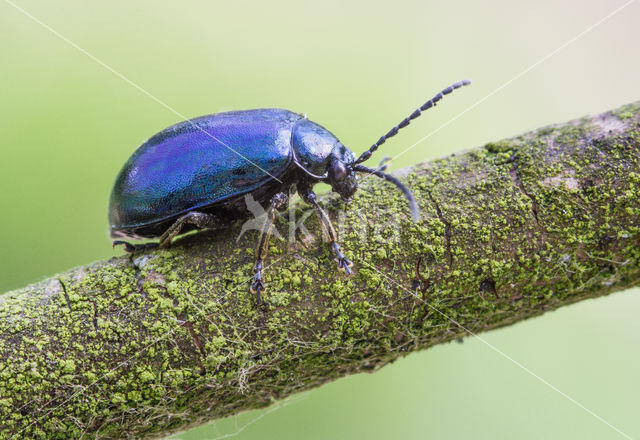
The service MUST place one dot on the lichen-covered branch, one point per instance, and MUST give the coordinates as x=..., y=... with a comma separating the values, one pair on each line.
x=143, y=346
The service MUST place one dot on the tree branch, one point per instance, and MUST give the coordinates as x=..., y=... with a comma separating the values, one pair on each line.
x=152, y=344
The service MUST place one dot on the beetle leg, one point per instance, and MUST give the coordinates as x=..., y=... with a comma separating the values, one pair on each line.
x=278, y=200
x=343, y=262
x=199, y=219
x=128, y=247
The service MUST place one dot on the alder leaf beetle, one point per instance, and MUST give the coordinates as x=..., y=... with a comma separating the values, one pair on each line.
x=196, y=174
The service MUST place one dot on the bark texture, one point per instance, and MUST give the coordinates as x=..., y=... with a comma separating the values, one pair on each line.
x=147, y=345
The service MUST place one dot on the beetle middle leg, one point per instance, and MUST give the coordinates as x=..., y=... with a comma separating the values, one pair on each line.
x=343, y=262
x=277, y=201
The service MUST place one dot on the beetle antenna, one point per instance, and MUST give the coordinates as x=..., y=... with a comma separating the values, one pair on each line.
x=430, y=103
x=415, y=212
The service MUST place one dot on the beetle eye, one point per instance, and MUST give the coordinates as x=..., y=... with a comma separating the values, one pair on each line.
x=338, y=170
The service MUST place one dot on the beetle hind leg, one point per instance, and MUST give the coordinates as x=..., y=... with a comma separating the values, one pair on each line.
x=131, y=248
x=278, y=200
x=199, y=219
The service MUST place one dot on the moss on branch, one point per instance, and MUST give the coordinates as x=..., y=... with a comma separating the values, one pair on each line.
x=147, y=345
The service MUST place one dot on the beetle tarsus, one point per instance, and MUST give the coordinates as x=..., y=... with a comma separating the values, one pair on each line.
x=258, y=286
x=343, y=262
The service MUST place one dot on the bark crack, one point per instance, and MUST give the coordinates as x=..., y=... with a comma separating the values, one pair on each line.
x=66, y=295
x=199, y=345
x=95, y=316
x=447, y=227
x=518, y=182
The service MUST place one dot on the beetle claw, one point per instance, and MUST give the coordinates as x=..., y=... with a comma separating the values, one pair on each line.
x=257, y=288
x=344, y=264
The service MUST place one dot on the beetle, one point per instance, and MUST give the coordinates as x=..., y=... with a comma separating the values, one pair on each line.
x=196, y=174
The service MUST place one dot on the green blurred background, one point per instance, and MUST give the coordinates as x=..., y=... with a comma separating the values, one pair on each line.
x=67, y=125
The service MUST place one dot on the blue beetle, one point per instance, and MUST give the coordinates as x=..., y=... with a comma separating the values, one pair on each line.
x=195, y=174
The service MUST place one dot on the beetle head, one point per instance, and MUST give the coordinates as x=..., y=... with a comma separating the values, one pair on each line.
x=340, y=173
x=342, y=178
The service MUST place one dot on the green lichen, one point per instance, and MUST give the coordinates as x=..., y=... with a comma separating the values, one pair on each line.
x=626, y=111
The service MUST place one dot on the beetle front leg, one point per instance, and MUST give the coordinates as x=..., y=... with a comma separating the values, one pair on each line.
x=343, y=262
x=277, y=201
